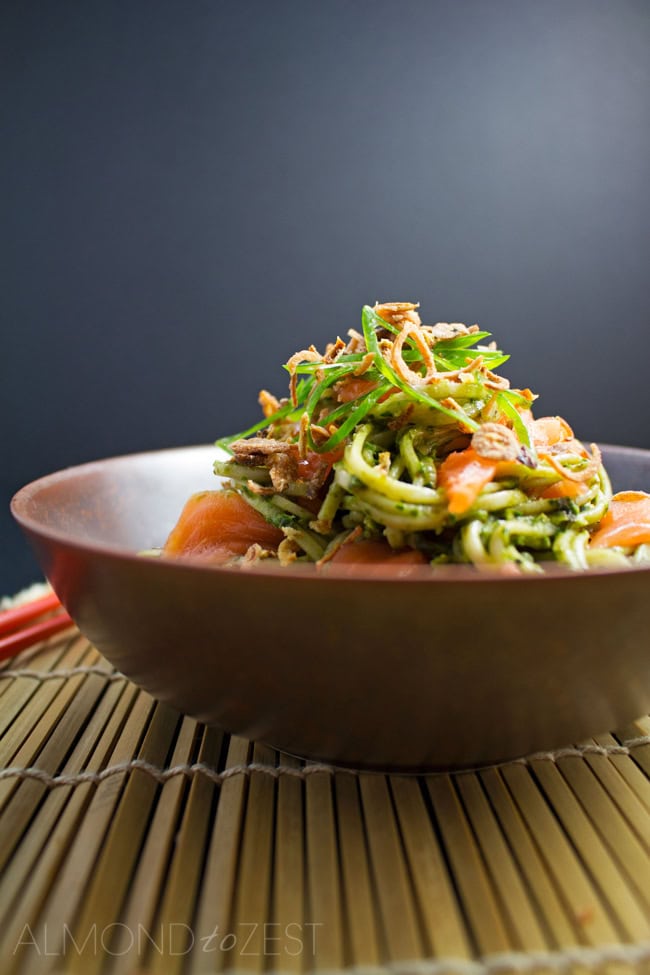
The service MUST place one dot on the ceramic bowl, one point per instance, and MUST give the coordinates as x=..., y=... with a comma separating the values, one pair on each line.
x=406, y=672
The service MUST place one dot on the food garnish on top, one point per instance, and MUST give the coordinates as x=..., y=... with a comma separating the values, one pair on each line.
x=403, y=444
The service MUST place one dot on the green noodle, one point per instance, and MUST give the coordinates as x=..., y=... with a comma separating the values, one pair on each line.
x=393, y=438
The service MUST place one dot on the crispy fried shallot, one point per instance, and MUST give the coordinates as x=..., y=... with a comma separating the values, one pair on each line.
x=333, y=350
x=398, y=313
x=451, y=404
x=287, y=551
x=496, y=442
x=447, y=330
x=364, y=365
x=400, y=366
x=305, y=355
x=492, y=381
x=333, y=549
x=357, y=342
x=256, y=488
x=270, y=404
x=255, y=553
x=280, y=457
x=587, y=472
x=254, y=451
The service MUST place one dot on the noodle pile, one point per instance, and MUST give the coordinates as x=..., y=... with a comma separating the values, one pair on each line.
x=407, y=435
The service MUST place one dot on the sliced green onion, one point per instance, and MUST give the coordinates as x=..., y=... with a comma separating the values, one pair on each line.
x=353, y=358
x=283, y=413
x=369, y=319
x=463, y=341
x=365, y=405
x=317, y=391
x=507, y=407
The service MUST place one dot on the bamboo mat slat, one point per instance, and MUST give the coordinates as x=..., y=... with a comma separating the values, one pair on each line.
x=180, y=891
x=395, y=902
x=476, y=894
x=626, y=784
x=289, y=861
x=150, y=878
x=323, y=888
x=134, y=841
x=362, y=923
x=215, y=919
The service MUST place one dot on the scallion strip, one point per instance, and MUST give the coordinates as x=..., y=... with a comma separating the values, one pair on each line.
x=513, y=414
x=463, y=341
x=283, y=413
x=369, y=320
x=353, y=358
x=365, y=405
x=319, y=388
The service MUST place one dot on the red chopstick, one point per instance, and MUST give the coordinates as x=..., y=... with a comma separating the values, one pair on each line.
x=11, y=619
x=16, y=636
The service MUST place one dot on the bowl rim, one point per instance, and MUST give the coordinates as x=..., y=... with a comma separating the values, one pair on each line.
x=304, y=573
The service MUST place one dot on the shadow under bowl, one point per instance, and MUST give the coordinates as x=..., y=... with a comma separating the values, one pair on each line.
x=425, y=670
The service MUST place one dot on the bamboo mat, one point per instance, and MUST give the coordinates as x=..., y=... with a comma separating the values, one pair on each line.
x=134, y=840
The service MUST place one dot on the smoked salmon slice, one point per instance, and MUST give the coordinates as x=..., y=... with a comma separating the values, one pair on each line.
x=217, y=525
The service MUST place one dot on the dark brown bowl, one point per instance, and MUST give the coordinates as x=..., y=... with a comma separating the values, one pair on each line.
x=424, y=670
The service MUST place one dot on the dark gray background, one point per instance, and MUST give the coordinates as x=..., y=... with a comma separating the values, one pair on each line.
x=194, y=190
